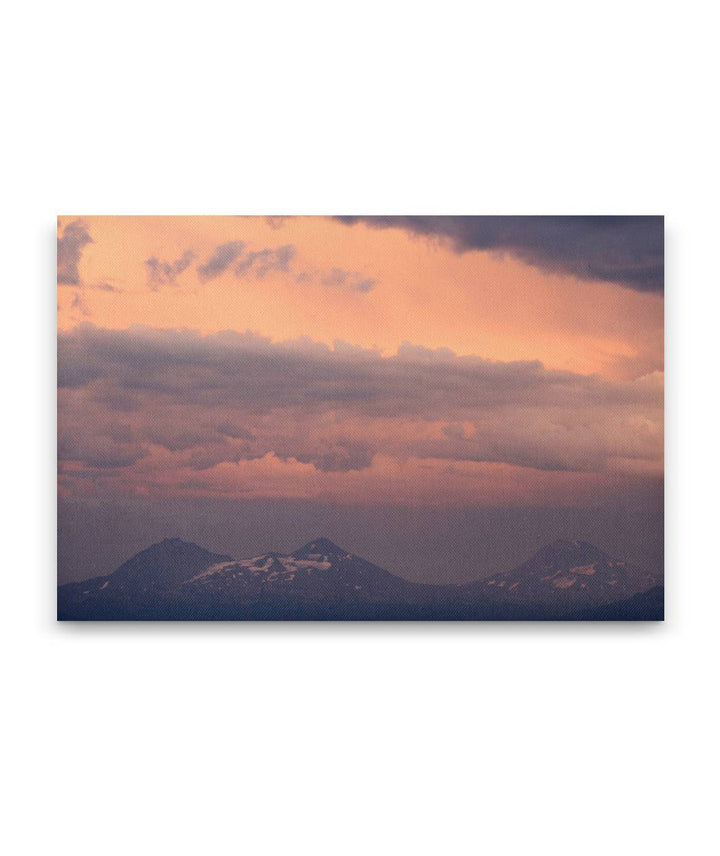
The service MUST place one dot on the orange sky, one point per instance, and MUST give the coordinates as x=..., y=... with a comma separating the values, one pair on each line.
x=376, y=289
x=474, y=303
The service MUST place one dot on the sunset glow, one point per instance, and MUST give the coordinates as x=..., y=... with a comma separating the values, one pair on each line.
x=538, y=383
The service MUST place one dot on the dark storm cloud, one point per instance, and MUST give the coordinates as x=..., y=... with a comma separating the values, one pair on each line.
x=232, y=396
x=624, y=250
x=221, y=259
x=69, y=250
x=162, y=272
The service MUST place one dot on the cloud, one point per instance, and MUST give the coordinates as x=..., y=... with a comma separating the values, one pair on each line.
x=79, y=304
x=276, y=222
x=343, y=456
x=628, y=251
x=69, y=251
x=100, y=452
x=258, y=372
x=264, y=261
x=259, y=263
x=195, y=402
x=221, y=259
x=237, y=432
x=161, y=272
x=338, y=277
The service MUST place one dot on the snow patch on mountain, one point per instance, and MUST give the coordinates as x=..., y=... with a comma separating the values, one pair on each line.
x=587, y=570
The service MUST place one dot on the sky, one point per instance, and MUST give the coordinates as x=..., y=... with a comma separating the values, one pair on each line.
x=480, y=385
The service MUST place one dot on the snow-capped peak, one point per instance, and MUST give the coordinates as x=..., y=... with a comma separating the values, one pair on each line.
x=320, y=547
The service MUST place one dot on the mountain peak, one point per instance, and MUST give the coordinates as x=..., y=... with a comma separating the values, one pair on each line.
x=564, y=551
x=168, y=562
x=319, y=547
x=174, y=542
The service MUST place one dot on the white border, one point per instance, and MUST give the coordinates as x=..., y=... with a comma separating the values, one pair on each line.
x=507, y=739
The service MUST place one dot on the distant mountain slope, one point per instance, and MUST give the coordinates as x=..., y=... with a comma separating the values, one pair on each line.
x=145, y=578
x=179, y=580
x=319, y=571
x=164, y=565
x=567, y=573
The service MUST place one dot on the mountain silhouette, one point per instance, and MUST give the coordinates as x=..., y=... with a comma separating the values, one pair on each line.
x=179, y=580
x=165, y=565
x=567, y=572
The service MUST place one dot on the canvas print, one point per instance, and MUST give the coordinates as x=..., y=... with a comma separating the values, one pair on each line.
x=362, y=418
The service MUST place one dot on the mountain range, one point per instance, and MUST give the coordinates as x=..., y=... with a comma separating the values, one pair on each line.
x=178, y=580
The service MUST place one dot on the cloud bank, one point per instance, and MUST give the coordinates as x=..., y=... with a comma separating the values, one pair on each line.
x=192, y=409
x=628, y=251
